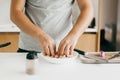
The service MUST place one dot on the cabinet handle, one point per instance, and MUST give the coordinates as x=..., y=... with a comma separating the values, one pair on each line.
x=5, y=44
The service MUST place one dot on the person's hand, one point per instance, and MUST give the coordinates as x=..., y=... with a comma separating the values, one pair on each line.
x=47, y=44
x=67, y=45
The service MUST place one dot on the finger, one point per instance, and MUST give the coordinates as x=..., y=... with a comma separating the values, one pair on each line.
x=56, y=56
x=61, y=49
x=71, y=50
x=67, y=50
x=46, y=51
x=54, y=47
x=51, y=49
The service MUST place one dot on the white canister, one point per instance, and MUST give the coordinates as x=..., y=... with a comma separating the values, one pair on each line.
x=31, y=63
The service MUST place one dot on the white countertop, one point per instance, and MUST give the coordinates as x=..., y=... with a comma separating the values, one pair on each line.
x=9, y=28
x=91, y=30
x=12, y=67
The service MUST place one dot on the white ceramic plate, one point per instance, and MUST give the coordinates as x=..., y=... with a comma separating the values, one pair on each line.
x=64, y=60
x=87, y=60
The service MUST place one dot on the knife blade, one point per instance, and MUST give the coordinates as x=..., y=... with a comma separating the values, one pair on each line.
x=101, y=60
x=116, y=55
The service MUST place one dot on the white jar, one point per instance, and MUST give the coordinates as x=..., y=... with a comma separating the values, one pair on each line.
x=31, y=63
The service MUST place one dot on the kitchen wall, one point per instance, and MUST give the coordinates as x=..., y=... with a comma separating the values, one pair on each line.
x=118, y=27
x=109, y=12
x=4, y=12
x=118, y=20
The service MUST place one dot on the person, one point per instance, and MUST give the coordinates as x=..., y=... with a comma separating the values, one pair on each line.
x=46, y=25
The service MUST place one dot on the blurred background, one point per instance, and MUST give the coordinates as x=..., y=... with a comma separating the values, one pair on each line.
x=108, y=17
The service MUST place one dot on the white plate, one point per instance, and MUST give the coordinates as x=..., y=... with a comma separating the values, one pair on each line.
x=64, y=60
x=87, y=60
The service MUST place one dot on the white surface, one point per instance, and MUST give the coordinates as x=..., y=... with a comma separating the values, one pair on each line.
x=5, y=12
x=12, y=67
x=9, y=28
x=91, y=30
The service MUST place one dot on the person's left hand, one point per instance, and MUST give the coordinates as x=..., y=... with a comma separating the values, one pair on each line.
x=67, y=45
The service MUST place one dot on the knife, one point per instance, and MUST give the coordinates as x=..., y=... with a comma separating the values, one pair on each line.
x=79, y=51
x=100, y=59
x=116, y=55
x=5, y=44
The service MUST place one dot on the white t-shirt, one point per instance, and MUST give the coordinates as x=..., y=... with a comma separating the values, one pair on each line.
x=52, y=16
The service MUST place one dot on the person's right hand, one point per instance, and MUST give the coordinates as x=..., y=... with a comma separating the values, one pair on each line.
x=47, y=44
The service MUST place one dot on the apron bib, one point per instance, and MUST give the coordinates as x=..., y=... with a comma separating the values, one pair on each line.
x=52, y=16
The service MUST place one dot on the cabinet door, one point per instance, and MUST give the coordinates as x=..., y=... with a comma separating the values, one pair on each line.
x=9, y=37
x=87, y=42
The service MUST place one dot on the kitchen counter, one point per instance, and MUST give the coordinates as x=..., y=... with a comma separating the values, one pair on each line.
x=9, y=28
x=12, y=67
x=91, y=30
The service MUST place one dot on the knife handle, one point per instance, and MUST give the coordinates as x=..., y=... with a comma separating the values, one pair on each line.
x=5, y=44
x=79, y=51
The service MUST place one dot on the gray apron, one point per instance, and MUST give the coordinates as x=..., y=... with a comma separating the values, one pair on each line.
x=52, y=16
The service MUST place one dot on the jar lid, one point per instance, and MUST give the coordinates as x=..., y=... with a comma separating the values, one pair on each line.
x=32, y=55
